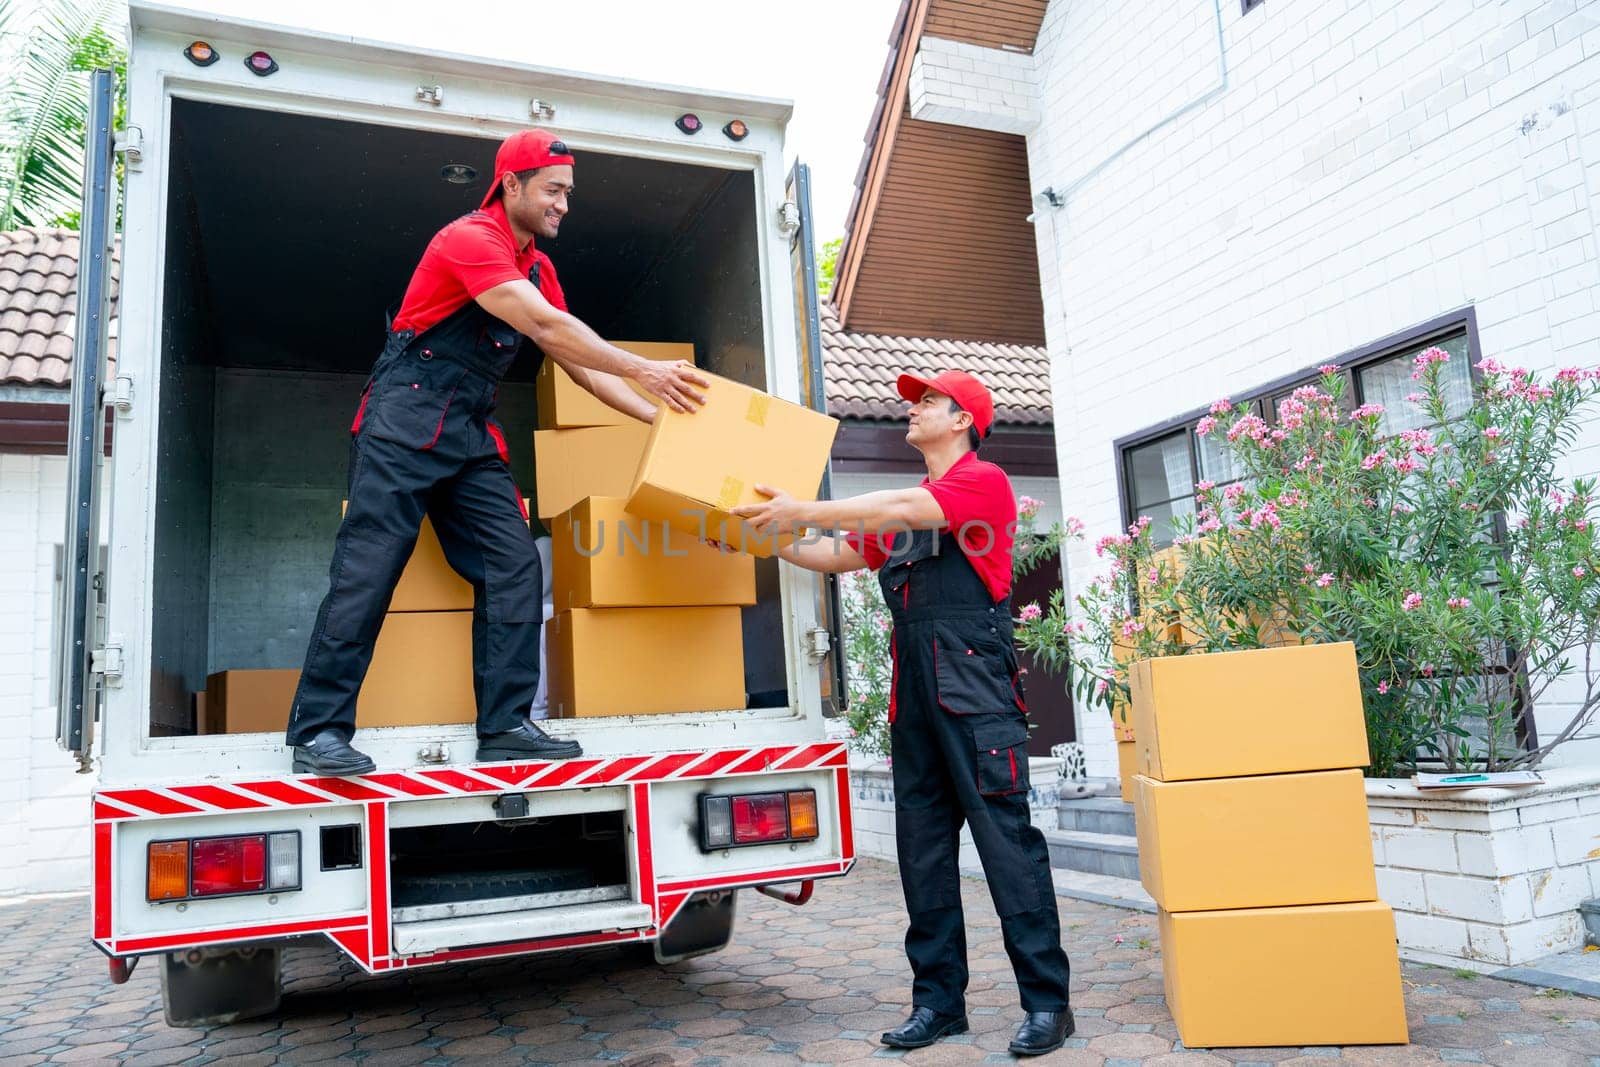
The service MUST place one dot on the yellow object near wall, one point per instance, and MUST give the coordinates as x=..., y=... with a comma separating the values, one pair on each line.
x=564, y=404
x=640, y=661
x=1321, y=975
x=604, y=557
x=1127, y=769
x=1264, y=711
x=1268, y=841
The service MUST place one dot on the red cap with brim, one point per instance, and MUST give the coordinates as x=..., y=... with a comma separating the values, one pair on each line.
x=526, y=150
x=958, y=385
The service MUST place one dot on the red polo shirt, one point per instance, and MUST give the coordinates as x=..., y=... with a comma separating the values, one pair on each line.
x=471, y=255
x=979, y=505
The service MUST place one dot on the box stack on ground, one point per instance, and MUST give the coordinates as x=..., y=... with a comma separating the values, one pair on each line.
x=647, y=617
x=1253, y=840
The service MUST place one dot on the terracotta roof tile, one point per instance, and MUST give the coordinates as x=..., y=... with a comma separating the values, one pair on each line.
x=860, y=371
x=39, y=305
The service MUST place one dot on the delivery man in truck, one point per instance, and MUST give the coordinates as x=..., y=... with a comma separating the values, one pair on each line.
x=425, y=443
x=958, y=726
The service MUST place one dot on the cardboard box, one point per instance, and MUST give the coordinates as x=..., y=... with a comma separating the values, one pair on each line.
x=698, y=465
x=640, y=661
x=1127, y=767
x=603, y=557
x=564, y=404
x=1322, y=975
x=428, y=582
x=570, y=465
x=1281, y=839
x=421, y=675
x=1265, y=711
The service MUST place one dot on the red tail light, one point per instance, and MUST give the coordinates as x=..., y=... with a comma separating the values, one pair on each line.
x=758, y=818
x=229, y=865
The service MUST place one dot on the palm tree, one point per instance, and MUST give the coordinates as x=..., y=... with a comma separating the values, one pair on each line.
x=46, y=49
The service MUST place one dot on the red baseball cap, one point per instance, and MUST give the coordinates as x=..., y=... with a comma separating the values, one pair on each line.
x=958, y=385
x=525, y=150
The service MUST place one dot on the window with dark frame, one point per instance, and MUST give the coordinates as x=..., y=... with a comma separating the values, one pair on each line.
x=1250, y=5
x=1161, y=467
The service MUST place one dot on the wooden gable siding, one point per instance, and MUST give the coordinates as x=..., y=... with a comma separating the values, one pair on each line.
x=1009, y=24
x=951, y=253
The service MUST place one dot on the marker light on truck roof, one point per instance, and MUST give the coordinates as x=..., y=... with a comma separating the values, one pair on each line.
x=201, y=54
x=688, y=123
x=736, y=130
x=458, y=173
x=260, y=64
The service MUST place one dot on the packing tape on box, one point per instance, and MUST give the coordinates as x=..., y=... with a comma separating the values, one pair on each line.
x=732, y=490
x=757, y=412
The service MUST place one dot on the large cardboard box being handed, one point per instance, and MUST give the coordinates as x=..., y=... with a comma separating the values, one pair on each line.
x=697, y=466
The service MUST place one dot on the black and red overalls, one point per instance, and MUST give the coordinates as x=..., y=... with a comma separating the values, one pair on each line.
x=958, y=737
x=425, y=443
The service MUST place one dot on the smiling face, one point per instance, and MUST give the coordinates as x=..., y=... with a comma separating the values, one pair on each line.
x=935, y=419
x=538, y=204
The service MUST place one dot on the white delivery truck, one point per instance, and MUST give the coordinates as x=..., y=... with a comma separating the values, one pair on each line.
x=279, y=187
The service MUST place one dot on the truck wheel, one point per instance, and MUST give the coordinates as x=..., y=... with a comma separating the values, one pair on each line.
x=208, y=987
x=704, y=924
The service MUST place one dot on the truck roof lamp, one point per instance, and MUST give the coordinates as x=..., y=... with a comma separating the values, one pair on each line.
x=201, y=54
x=260, y=64
x=458, y=173
x=736, y=130
x=689, y=123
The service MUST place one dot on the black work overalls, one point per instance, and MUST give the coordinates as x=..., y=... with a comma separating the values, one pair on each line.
x=959, y=741
x=425, y=444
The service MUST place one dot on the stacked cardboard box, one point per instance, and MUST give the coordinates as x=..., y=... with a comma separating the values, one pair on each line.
x=647, y=618
x=1253, y=840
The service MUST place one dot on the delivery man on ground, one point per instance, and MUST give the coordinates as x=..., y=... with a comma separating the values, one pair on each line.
x=958, y=726
x=425, y=443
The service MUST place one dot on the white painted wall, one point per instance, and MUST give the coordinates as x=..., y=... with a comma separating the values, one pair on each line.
x=1362, y=168
x=44, y=808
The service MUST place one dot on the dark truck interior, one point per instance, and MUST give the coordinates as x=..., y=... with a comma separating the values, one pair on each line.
x=287, y=238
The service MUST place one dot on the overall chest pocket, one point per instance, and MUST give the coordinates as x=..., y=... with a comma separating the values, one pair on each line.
x=974, y=678
x=408, y=405
x=1001, y=748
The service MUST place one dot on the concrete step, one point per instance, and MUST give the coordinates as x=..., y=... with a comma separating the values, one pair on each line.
x=1116, y=855
x=1096, y=815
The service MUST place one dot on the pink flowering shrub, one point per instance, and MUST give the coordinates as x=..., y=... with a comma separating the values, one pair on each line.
x=1455, y=558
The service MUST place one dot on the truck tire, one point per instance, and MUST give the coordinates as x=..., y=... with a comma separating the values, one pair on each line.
x=212, y=987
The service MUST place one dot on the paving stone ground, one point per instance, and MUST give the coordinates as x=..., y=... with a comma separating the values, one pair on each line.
x=815, y=984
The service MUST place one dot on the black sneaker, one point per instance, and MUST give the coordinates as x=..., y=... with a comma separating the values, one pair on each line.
x=329, y=753
x=527, y=741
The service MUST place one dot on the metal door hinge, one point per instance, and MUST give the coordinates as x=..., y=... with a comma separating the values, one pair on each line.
x=106, y=661
x=818, y=643
x=122, y=394
x=131, y=145
x=541, y=109
x=431, y=94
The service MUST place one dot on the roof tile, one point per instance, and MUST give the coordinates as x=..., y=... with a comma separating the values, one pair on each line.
x=39, y=304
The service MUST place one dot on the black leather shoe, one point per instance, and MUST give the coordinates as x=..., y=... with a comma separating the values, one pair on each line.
x=924, y=1028
x=329, y=753
x=1042, y=1031
x=527, y=741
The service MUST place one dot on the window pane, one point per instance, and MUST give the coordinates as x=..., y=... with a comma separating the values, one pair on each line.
x=1160, y=471
x=1216, y=460
x=1162, y=516
x=1389, y=383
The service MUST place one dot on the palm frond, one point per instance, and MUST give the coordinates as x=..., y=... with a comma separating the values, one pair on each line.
x=47, y=98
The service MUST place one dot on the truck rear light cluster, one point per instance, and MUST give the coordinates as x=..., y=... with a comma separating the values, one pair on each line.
x=757, y=819
x=222, y=866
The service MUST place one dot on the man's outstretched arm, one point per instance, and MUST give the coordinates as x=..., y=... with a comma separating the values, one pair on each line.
x=830, y=555
x=877, y=512
x=572, y=344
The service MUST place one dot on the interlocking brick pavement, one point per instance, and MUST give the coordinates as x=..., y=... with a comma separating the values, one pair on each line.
x=799, y=985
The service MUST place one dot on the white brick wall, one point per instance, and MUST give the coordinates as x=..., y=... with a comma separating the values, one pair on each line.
x=44, y=812
x=1490, y=878
x=968, y=85
x=1363, y=168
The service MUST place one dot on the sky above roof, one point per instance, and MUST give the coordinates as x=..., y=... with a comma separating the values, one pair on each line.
x=825, y=55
